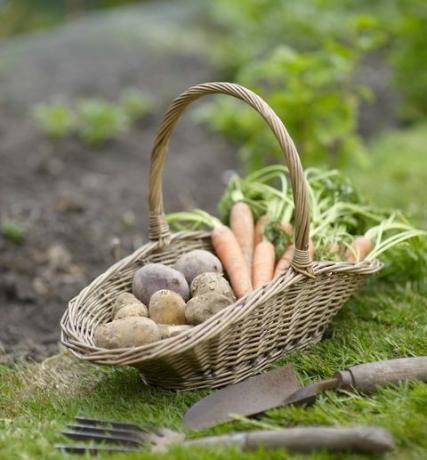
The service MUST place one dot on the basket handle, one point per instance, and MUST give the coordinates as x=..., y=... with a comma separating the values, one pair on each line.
x=158, y=226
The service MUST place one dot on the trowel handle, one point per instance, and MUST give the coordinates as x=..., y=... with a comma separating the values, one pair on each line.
x=366, y=377
x=305, y=439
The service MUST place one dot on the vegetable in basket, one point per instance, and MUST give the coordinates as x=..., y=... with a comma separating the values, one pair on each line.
x=127, y=332
x=343, y=226
x=211, y=293
x=132, y=310
x=203, y=306
x=242, y=225
x=225, y=245
x=211, y=282
x=167, y=309
x=125, y=299
x=193, y=263
x=285, y=261
x=263, y=263
x=154, y=277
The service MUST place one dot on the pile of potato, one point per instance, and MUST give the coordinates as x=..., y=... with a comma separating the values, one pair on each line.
x=177, y=298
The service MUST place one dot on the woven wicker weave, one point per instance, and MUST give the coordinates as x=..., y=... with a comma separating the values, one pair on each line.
x=243, y=339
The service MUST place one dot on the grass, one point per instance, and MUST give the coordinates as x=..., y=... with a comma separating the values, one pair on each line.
x=386, y=320
x=397, y=174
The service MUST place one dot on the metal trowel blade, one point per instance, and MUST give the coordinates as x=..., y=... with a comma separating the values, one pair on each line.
x=252, y=396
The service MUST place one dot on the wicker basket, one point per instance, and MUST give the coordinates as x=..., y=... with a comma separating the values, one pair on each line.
x=243, y=339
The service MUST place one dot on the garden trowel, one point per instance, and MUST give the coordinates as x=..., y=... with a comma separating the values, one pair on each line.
x=280, y=387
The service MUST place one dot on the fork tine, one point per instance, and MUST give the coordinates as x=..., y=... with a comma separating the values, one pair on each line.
x=93, y=450
x=100, y=436
x=114, y=424
x=89, y=429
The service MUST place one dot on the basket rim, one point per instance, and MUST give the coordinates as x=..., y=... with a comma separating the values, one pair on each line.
x=81, y=347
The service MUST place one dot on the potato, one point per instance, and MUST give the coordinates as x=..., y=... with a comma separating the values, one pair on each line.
x=154, y=277
x=124, y=298
x=169, y=330
x=202, y=307
x=133, y=309
x=211, y=282
x=195, y=262
x=167, y=307
x=127, y=333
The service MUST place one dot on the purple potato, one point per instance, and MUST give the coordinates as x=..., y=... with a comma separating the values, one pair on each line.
x=195, y=262
x=154, y=277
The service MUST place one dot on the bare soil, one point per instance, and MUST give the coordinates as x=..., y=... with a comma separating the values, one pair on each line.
x=72, y=200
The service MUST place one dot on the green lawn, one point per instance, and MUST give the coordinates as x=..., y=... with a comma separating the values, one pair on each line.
x=386, y=320
x=397, y=175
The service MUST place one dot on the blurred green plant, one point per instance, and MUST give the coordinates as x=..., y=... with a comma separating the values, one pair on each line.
x=304, y=58
x=22, y=16
x=313, y=92
x=100, y=121
x=311, y=85
x=249, y=28
x=408, y=57
x=135, y=103
x=398, y=164
x=56, y=120
x=95, y=121
x=12, y=231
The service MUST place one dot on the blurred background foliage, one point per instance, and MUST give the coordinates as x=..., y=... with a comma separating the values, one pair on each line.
x=20, y=16
x=305, y=57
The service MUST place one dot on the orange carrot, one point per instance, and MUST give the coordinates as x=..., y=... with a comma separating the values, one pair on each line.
x=242, y=225
x=335, y=248
x=259, y=229
x=228, y=250
x=260, y=226
x=263, y=264
x=287, y=227
x=361, y=247
x=285, y=261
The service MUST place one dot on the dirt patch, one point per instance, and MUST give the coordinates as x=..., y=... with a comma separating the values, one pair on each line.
x=70, y=200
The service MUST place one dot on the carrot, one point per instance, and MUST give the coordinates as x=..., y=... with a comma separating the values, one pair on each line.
x=228, y=250
x=335, y=248
x=360, y=248
x=287, y=227
x=263, y=264
x=259, y=229
x=260, y=226
x=242, y=225
x=285, y=261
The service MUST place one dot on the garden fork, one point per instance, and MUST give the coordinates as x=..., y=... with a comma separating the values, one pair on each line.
x=115, y=436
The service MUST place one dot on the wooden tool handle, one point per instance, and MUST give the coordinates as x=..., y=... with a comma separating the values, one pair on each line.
x=305, y=439
x=366, y=377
